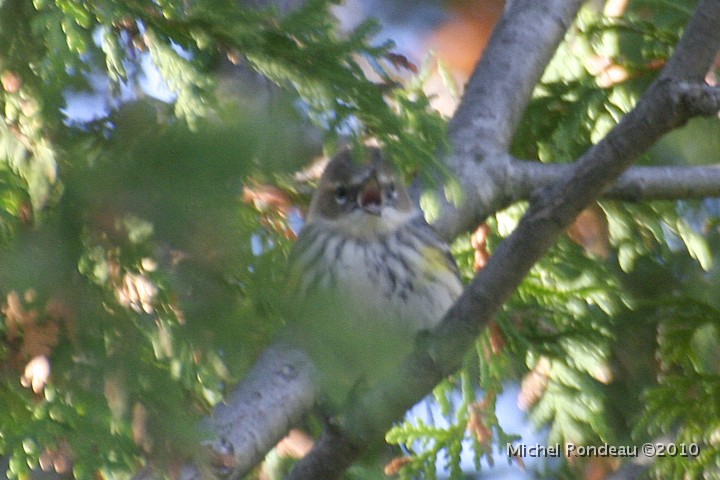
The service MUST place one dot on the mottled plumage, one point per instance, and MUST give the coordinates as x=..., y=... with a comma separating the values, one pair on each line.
x=368, y=272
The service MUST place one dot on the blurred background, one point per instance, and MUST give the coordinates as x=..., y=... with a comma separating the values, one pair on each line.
x=156, y=161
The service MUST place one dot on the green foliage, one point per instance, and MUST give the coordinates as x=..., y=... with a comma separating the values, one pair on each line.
x=683, y=405
x=595, y=78
x=49, y=47
x=14, y=203
x=652, y=247
x=557, y=332
x=135, y=285
x=142, y=288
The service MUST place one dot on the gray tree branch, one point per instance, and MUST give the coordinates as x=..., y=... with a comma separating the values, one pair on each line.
x=276, y=394
x=519, y=50
x=667, y=183
x=667, y=104
x=635, y=185
x=282, y=392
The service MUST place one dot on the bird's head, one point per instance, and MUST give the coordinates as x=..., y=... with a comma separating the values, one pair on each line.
x=362, y=199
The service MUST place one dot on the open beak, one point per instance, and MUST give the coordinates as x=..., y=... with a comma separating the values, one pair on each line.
x=370, y=196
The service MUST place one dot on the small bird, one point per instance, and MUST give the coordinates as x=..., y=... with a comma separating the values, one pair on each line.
x=367, y=273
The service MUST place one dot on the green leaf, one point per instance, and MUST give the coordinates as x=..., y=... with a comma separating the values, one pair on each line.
x=696, y=245
x=114, y=56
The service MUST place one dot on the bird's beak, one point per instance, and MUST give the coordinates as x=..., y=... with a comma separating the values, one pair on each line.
x=370, y=196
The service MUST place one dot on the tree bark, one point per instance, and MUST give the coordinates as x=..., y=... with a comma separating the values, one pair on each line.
x=519, y=50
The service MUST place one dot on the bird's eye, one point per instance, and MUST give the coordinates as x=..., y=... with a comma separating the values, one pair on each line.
x=341, y=194
x=392, y=191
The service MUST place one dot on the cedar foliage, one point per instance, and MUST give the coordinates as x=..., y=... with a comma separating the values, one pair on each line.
x=137, y=286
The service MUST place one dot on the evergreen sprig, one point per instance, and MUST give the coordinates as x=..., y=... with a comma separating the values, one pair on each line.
x=129, y=264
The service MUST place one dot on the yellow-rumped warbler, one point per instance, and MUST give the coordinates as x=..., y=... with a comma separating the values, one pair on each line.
x=368, y=273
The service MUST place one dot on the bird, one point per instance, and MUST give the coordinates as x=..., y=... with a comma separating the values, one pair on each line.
x=367, y=274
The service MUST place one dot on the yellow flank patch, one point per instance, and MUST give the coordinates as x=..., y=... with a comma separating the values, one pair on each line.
x=435, y=260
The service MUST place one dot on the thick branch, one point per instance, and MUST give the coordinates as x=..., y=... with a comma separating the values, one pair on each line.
x=667, y=183
x=554, y=208
x=638, y=183
x=497, y=94
x=515, y=58
x=635, y=185
x=274, y=396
